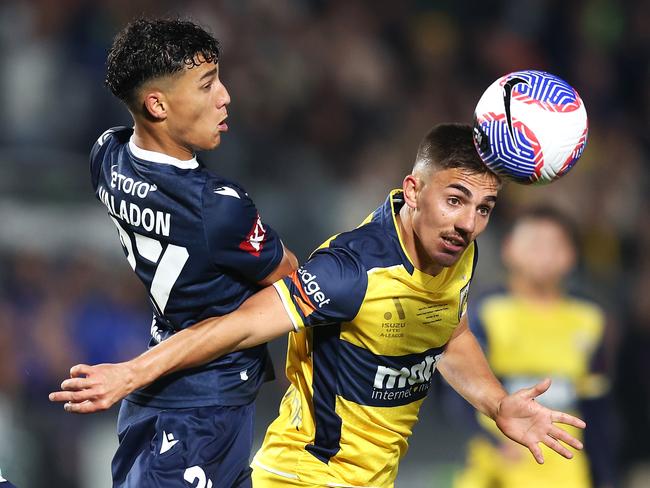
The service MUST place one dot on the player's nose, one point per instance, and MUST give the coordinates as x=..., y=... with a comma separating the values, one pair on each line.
x=223, y=97
x=466, y=223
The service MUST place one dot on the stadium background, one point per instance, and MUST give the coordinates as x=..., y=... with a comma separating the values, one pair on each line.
x=329, y=101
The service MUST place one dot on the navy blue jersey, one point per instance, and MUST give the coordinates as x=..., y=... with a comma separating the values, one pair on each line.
x=198, y=244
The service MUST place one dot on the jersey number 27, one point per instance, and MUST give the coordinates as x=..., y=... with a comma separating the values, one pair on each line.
x=169, y=263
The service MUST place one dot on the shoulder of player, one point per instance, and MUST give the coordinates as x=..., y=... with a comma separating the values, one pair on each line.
x=108, y=138
x=118, y=134
x=221, y=191
x=585, y=305
x=226, y=208
x=369, y=244
x=102, y=146
x=495, y=295
x=499, y=298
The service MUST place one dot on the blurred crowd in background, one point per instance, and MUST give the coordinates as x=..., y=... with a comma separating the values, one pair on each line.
x=329, y=102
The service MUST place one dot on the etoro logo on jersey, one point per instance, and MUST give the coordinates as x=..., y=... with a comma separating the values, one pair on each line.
x=254, y=241
x=130, y=186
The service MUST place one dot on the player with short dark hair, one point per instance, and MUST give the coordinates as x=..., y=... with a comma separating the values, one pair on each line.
x=445, y=147
x=197, y=243
x=371, y=315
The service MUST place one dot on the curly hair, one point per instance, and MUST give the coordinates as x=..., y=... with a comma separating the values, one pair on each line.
x=150, y=48
x=451, y=146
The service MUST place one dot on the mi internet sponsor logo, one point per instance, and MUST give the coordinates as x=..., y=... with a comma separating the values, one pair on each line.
x=391, y=383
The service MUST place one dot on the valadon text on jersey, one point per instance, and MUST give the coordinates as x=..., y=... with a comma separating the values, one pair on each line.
x=146, y=218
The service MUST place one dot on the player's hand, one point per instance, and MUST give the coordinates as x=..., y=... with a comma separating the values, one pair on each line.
x=511, y=451
x=527, y=422
x=94, y=388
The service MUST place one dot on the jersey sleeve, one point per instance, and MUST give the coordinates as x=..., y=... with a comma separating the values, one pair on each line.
x=329, y=288
x=236, y=236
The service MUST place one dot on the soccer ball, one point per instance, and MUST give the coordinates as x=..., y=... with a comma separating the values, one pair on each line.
x=530, y=126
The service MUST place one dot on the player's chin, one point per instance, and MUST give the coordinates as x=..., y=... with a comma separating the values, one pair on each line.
x=447, y=258
x=210, y=144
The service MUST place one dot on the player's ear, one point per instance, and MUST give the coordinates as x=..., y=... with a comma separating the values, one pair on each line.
x=411, y=187
x=155, y=105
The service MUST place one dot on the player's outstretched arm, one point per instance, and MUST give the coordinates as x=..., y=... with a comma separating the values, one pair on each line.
x=518, y=415
x=93, y=388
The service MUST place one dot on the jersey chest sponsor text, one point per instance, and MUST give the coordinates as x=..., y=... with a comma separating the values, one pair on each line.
x=385, y=381
x=129, y=185
x=394, y=384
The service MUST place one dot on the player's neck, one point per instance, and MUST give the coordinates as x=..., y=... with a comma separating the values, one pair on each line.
x=542, y=293
x=414, y=250
x=153, y=140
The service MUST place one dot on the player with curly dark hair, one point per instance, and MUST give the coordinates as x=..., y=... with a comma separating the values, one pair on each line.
x=197, y=243
x=153, y=49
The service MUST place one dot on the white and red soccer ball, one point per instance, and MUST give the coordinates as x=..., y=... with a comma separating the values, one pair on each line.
x=530, y=126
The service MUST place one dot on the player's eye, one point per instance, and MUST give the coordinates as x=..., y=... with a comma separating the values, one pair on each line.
x=484, y=210
x=207, y=86
x=453, y=201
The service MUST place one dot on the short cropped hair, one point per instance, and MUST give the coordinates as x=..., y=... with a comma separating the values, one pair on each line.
x=548, y=213
x=147, y=49
x=449, y=146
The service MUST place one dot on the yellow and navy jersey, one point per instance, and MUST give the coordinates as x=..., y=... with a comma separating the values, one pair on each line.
x=525, y=342
x=369, y=330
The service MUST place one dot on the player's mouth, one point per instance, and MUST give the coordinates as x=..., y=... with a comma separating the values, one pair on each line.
x=453, y=244
x=222, y=126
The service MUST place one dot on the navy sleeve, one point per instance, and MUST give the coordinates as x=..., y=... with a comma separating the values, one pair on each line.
x=329, y=288
x=235, y=234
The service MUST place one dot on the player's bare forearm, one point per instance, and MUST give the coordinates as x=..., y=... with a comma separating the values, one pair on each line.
x=92, y=388
x=260, y=319
x=464, y=367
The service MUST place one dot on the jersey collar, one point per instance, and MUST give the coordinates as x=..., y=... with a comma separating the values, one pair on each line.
x=160, y=158
x=386, y=215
